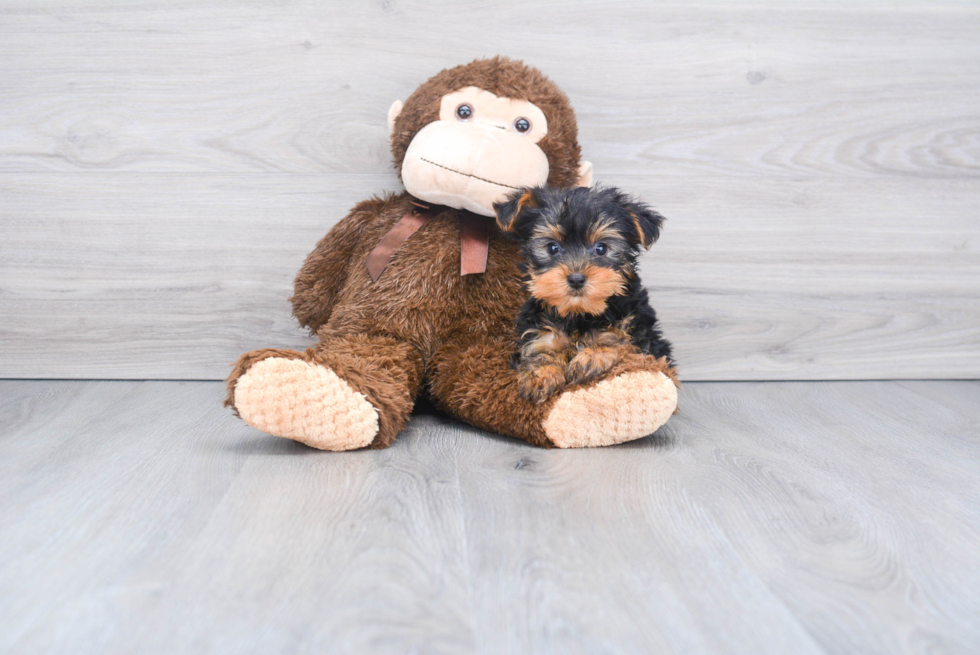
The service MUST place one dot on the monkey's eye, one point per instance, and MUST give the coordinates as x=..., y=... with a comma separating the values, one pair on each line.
x=600, y=249
x=464, y=112
x=522, y=125
x=553, y=249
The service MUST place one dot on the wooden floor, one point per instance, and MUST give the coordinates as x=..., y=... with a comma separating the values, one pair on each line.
x=811, y=517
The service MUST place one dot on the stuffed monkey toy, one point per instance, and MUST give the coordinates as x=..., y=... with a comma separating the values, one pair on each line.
x=419, y=292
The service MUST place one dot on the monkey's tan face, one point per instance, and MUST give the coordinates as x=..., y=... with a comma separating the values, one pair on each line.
x=481, y=149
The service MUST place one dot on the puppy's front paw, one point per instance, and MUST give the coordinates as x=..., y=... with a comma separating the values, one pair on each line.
x=538, y=384
x=590, y=363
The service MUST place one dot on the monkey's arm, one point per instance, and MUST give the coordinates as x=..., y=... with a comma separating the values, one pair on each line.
x=326, y=268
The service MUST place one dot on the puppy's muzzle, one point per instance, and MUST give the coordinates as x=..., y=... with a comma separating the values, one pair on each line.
x=576, y=281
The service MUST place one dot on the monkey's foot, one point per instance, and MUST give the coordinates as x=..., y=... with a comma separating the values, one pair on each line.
x=305, y=402
x=626, y=407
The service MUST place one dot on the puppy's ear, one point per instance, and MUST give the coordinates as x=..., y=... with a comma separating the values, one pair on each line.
x=510, y=210
x=647, y=223
x=642, y=222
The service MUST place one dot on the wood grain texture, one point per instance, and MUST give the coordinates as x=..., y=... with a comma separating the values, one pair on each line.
x=735, y=89
x=165, y=167
x=173, y=276
x=819, y=517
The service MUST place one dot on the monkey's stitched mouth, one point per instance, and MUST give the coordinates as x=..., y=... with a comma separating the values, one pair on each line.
x=475, y=177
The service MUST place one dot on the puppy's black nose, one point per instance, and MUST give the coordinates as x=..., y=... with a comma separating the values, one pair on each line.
x=576, y=280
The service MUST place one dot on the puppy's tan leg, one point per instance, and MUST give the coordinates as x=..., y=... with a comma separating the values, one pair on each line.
x=541, y=370
x=590, y=363
x=597, y=353
x=540, y=383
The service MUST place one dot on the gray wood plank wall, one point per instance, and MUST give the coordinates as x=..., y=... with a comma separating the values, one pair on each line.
x=164, y=169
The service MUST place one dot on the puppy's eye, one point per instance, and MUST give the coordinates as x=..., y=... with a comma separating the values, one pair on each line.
x=522, y=125
x=600, y=249
x=464, y=112
x=553, y=249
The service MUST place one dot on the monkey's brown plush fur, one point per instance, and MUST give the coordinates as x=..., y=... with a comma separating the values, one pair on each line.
x=423, y=326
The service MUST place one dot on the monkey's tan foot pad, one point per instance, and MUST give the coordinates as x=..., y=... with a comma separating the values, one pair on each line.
x=305, y=402
x=627, y=407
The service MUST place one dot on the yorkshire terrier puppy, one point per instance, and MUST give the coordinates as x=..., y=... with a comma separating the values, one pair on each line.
x=587, y=307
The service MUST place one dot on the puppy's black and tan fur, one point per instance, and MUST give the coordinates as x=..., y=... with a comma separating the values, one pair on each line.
x=587, y=306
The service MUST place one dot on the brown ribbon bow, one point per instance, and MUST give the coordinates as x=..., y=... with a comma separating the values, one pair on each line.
x=474, y=239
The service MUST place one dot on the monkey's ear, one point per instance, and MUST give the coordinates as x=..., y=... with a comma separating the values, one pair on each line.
x=584, y=174
x=393, y=112
x=510, y=210
x=645, y=220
